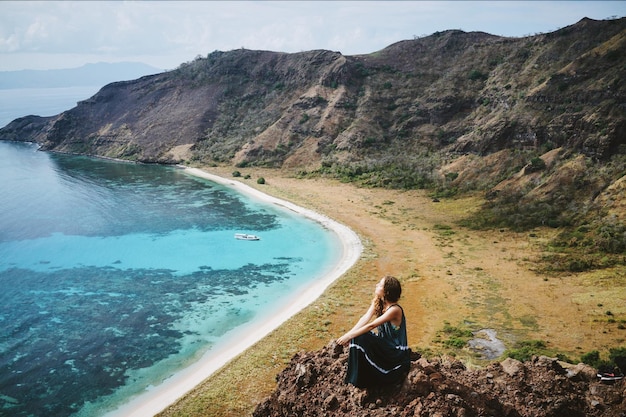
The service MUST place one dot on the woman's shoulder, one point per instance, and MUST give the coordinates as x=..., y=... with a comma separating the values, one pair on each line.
x=396, y=310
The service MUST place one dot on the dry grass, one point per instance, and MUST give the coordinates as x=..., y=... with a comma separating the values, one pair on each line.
x=450, y=275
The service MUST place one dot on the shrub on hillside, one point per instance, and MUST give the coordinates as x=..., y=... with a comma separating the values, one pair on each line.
x=477, y=75
x=617, y=358
x=526, y=349
x=611, y=236
x=536, y=164
x=455, y=337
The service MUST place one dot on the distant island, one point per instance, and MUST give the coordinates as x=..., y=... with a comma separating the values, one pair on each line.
x=89, y=74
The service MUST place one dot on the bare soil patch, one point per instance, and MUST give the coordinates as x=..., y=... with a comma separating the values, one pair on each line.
x=450, y=275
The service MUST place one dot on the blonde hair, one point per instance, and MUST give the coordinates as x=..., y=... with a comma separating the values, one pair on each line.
x=391, y=292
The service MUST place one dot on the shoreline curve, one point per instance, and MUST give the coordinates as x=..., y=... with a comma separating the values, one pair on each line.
x=158, y=398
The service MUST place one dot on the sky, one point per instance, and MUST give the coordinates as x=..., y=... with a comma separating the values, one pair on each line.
x=164, y=34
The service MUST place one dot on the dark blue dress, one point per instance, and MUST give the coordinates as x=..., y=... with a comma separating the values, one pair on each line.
x=379, y=359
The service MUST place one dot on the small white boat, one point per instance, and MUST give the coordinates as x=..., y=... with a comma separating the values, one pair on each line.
x=245, y=236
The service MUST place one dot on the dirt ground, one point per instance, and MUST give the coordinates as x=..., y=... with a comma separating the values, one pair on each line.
x=463, y=277
x=451, y=276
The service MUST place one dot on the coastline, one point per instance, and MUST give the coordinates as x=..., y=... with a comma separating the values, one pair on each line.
x=158, y=398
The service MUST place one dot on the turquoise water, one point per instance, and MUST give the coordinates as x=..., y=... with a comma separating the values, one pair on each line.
x=115, y=275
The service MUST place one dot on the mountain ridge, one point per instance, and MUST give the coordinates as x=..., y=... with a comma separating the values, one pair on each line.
x=319, y=78
x=536, y=123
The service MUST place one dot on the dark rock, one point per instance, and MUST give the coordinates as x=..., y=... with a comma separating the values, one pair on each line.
x=313, y=385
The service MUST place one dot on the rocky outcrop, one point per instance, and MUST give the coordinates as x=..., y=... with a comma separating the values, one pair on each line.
x=312, y=385
x=28, y=129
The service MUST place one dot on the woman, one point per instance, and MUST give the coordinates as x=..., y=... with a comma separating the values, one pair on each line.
x=381, y=358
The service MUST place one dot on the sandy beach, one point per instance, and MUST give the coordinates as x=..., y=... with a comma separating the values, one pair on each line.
x=450, y=276
x=155, y=399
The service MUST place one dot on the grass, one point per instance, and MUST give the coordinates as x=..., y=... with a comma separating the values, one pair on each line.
x=454, y=337
x=235, y=390
x=464, y=282
x=524, y=350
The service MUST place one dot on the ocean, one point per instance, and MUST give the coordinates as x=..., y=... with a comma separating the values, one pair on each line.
x=114, y=276
x=19, y=102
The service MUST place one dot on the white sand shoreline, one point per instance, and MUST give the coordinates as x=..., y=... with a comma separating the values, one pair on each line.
x=156, y=399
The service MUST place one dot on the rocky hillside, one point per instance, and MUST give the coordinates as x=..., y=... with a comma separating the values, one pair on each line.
x=452, y=93
x=537, y=123
x=312, y=385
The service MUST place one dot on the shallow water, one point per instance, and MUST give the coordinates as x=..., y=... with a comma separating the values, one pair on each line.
x=486, y=344
x=113, y=275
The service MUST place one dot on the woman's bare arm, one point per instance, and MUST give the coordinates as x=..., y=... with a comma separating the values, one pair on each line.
x=393, y=314
x=365, y=318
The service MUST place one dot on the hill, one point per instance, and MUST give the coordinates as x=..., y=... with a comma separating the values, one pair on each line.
x=530, y=128
x=537, y=123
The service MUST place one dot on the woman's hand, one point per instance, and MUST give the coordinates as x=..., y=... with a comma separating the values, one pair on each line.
x=343, y=340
